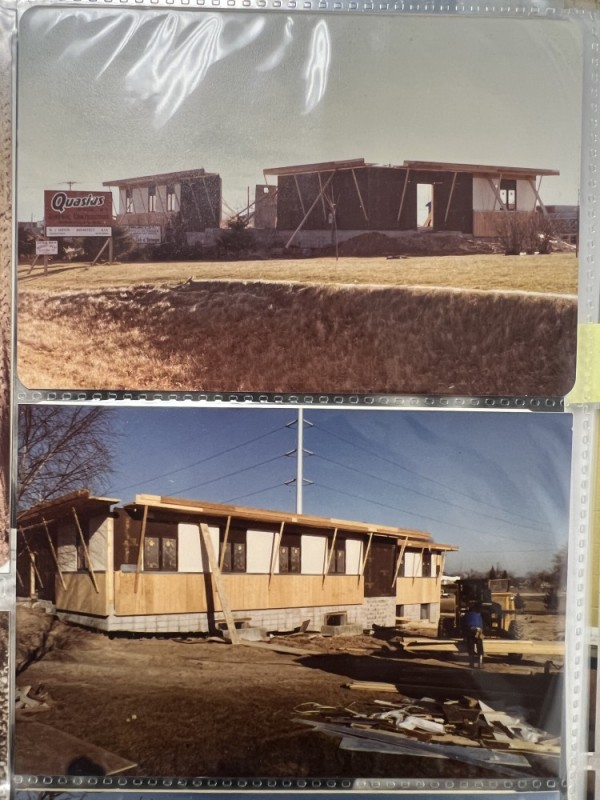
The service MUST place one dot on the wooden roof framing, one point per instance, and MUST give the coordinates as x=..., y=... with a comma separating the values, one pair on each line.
x=161, y=178
x=198, y=508
x=479, y=169
x=424, y=166
x=82, y=503
x=62, y=507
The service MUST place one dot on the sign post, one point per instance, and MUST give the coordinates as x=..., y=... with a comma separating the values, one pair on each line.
x=45, y=247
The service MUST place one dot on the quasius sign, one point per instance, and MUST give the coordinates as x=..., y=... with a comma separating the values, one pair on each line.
x=70, y=209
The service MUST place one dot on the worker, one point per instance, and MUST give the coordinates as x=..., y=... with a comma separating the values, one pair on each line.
x=519, y=602
x=472, y=630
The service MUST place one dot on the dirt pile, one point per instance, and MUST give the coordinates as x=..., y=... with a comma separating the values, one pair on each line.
x=411, y=244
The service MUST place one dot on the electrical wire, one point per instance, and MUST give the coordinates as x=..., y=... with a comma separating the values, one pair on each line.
x=538, y=529
x=204, y=460
x=419, y=475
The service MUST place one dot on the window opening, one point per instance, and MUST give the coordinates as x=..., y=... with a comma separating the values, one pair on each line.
x=508, y=194
x=289, y=554
x=233, y=552
x=129, y=201
x=427, y=564
x=160, y=554
x=152, y=198
x=338, y=559
x=170, y=198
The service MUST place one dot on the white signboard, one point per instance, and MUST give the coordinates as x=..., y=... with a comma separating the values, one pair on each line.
x=53, y=230
x=46, y=248
x=145, y=234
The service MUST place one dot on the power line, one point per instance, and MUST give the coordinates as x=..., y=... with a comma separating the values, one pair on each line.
x=204, y=460
x=427, y=496
x=251, y=494
x=356, y=496
x=423, y=477
x=229, y=474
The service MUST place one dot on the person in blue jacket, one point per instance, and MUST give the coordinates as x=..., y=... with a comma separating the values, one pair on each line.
x=472, y=631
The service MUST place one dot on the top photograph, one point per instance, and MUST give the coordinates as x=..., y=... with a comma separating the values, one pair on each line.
x=229, y=201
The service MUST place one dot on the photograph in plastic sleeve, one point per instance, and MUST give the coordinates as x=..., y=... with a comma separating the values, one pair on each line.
x=289, y=593
x=4, y=713
x=116, y=795
x=229, y=201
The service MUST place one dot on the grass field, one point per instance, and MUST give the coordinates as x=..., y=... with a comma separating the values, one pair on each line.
x=556, y=273
x=340, y=328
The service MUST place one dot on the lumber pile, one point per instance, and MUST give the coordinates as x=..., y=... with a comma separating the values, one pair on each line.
x=465, y=730
x=419, y=645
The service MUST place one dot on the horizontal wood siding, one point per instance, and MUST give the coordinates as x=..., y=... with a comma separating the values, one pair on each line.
x=417, y=590
x=180, y=593
x=80, y=594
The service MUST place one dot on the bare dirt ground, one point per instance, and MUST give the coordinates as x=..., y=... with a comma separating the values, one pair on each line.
x=191, y=706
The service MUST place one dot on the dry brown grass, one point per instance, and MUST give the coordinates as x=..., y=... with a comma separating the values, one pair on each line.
x=285, y=337
x=556, y=273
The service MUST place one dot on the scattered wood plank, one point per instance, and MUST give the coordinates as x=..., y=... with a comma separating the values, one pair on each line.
x=279, y=648
x=503, y=762
x=44, y=750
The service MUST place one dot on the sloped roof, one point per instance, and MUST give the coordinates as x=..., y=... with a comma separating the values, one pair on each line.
x=84, y=503
x=425, y=166
x=162, y=178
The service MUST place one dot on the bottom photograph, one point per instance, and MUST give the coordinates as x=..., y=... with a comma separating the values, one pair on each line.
x=290, y=592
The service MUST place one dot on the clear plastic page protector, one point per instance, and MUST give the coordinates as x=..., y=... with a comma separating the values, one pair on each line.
x=387, y=608
x=280, y=203
x=235, y=228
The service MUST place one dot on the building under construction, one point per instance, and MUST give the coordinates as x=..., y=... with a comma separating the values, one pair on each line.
x=353, y=196
x=149, y=205
x=168, y=565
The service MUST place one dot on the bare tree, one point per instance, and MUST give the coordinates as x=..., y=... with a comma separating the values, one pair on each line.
x=63, y=448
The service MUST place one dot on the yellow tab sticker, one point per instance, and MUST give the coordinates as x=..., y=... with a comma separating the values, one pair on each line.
x=587, y=381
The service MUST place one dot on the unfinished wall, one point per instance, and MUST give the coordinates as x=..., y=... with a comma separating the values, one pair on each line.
x=484, y=197
x=526, y=199
x=66, y=549
x=417, y=590
x=259, y=551
x=354, y=555
x=81, y=594
x=191, y=553
x=177, y=593
x=313, y=554
x=99, y=529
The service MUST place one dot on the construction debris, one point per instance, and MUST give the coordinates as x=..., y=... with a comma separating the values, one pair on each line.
x=465, y=730
x=29, y=701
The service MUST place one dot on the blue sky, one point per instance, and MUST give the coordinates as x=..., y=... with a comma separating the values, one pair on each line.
x=113, y=93
x=495, y=484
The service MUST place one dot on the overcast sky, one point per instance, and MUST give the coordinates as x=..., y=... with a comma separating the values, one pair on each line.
x=114, y=93
x=495, y=484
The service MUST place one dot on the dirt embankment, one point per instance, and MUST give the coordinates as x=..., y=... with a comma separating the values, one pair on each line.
x=275, y=337
x=191, y=706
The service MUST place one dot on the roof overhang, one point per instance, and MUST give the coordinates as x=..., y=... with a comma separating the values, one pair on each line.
x=84, y=503
x=197, y=508
x=162, y=178
x=486, y=170
x=322, y=166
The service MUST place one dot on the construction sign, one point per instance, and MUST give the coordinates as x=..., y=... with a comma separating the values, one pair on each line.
x=77, y=213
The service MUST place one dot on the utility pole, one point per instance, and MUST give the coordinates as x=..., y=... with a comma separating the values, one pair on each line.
x=299, y=452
